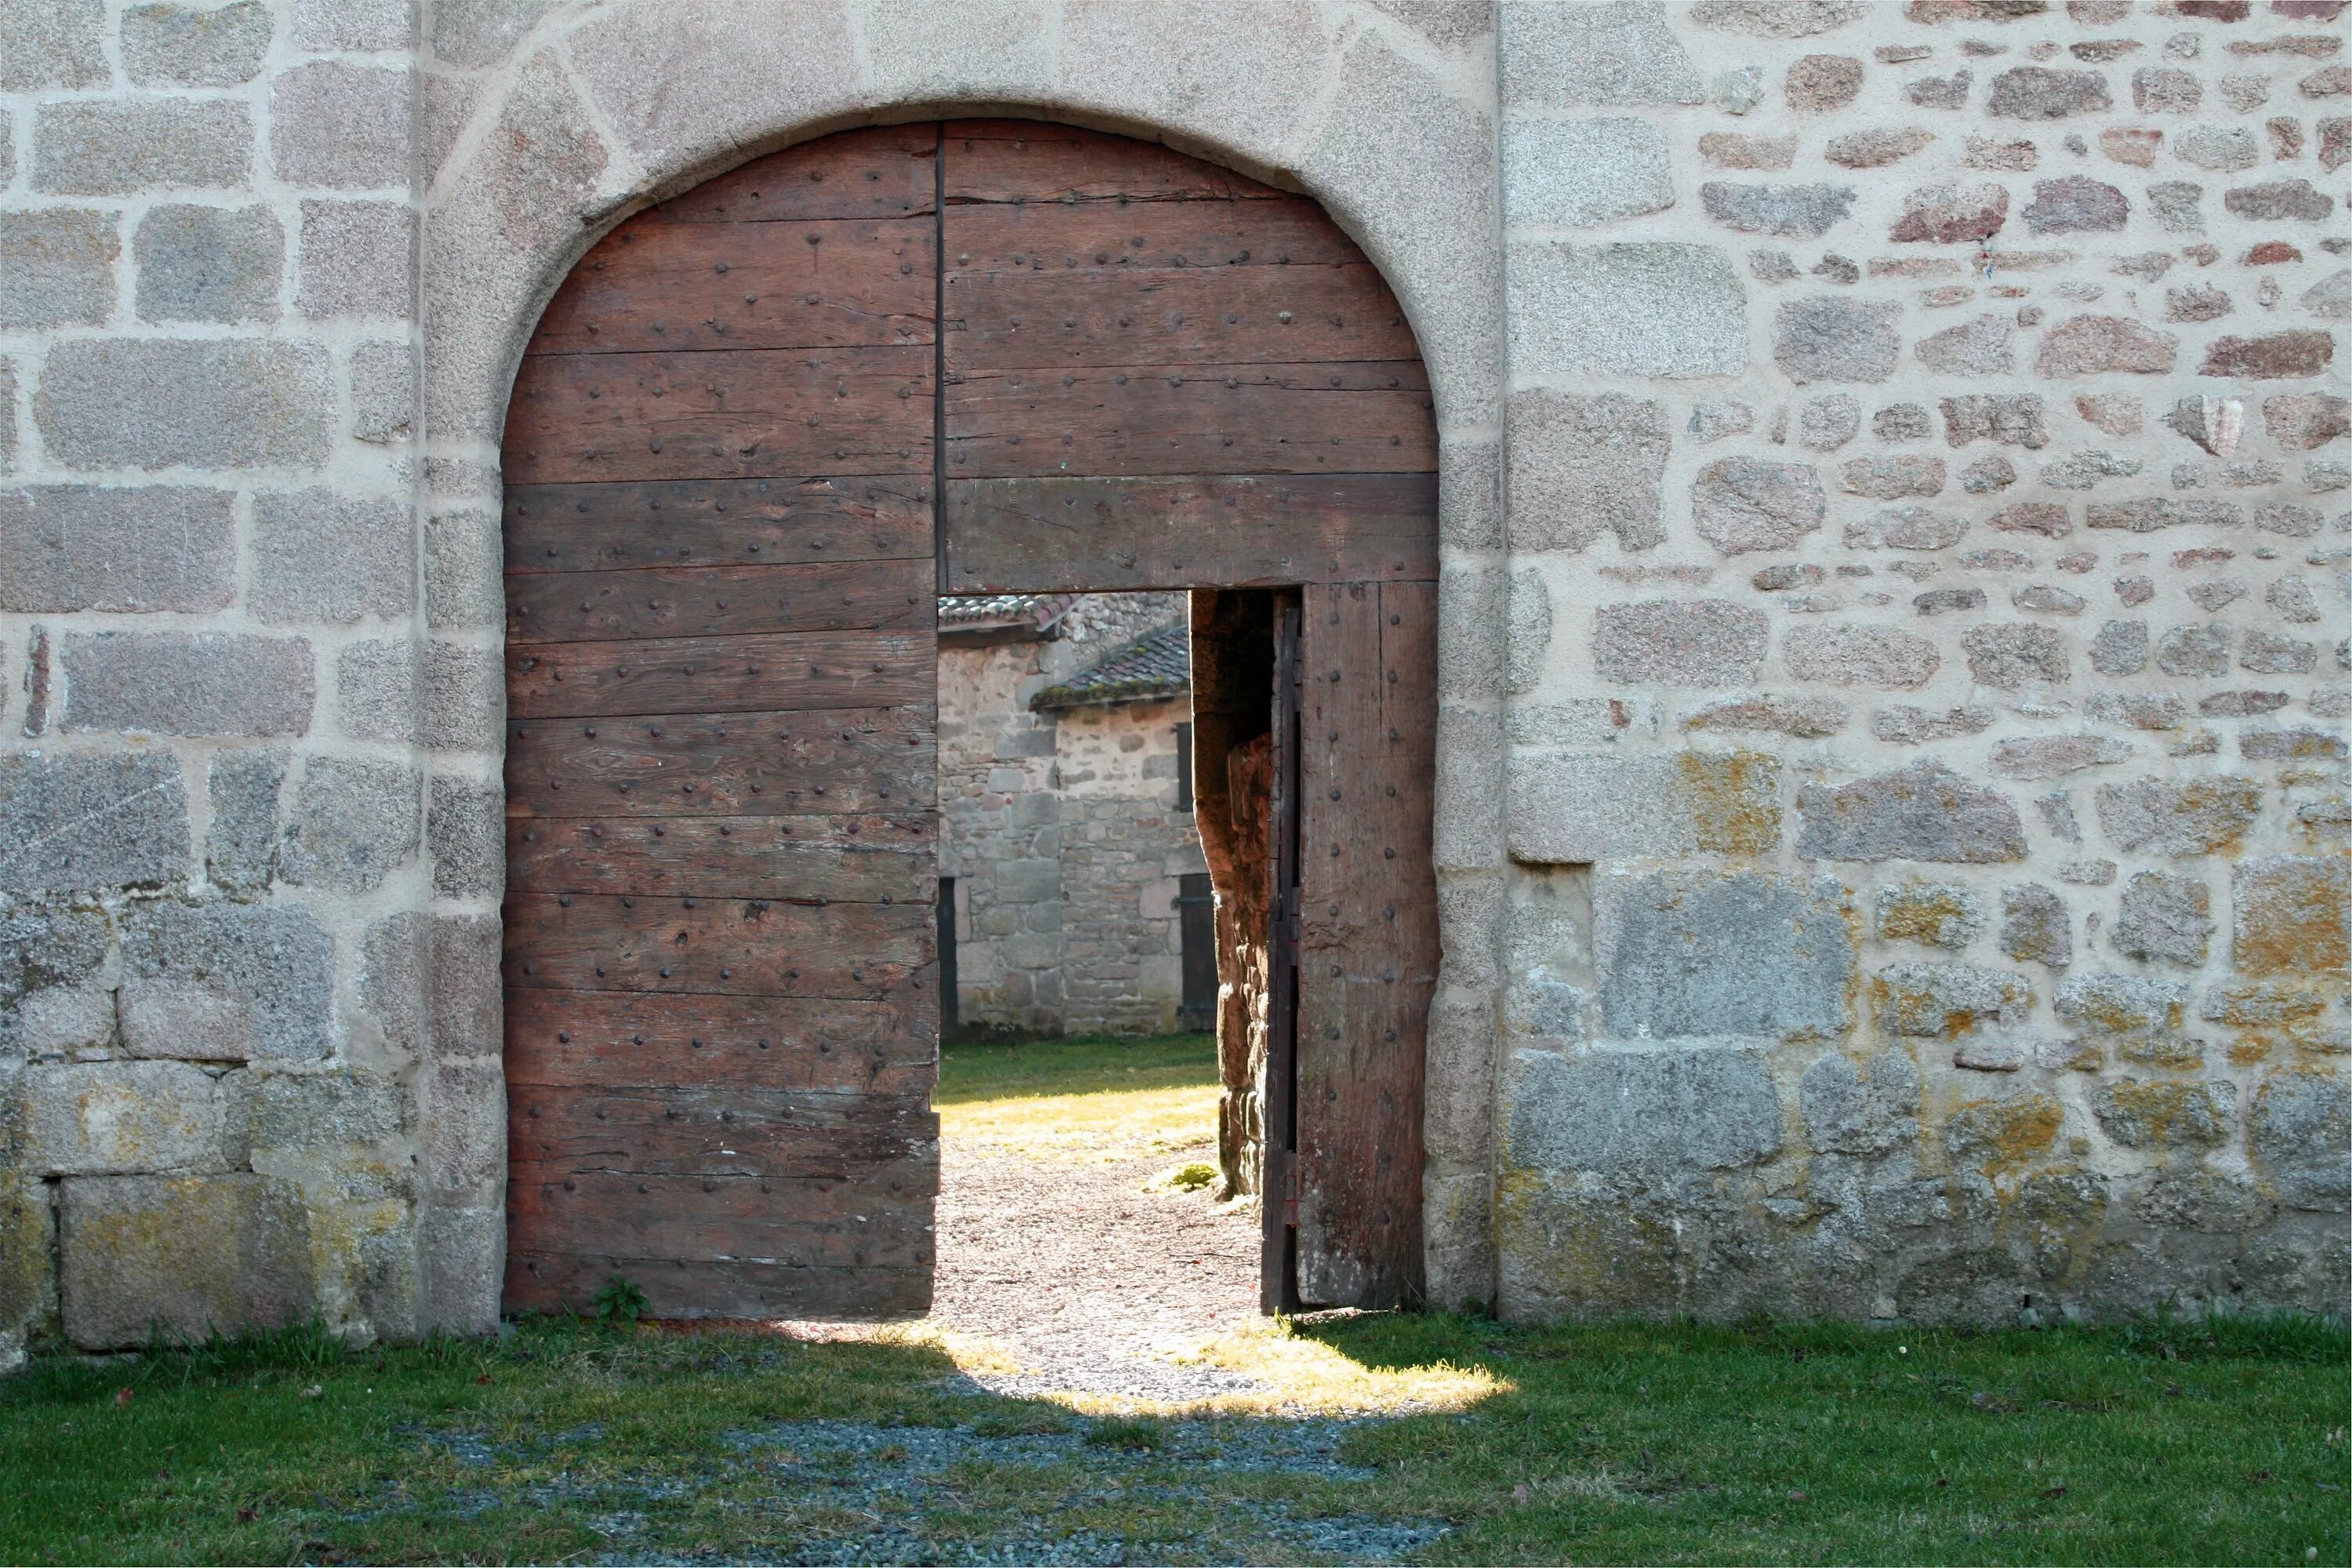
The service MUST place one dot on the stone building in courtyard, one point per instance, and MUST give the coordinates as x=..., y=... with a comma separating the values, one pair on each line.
x=1067, y=851
x=1887, y=474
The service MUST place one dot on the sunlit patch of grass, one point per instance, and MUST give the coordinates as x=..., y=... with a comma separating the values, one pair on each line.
x=1305, y=1376
x=1080, y=1101
x=1191, y=1177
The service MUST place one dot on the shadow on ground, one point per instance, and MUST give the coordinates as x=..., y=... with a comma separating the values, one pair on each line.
x=1406, y=1438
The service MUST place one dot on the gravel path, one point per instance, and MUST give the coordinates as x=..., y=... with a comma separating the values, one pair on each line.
x=1088, y=1280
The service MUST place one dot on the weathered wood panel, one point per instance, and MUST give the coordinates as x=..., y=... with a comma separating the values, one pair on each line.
x=732, y=765
x=1226, y=530
x=1023, y=161
x=887, y=171
x=825, y=284
x=1055, y=236
x=716, y=523
x=726, y=1287
x=1356, y=418
x=720, y=601
x=1368, y=936
x=721, y=415
x=723, y=675
x=720, y=946
x=612, y=1039
x=830, y=858
x=876, y=1216
x=713, y=1130
x=1211, y=315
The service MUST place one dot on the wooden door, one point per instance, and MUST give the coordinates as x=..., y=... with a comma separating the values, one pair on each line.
x=1158, y=374
x=720, y=761
x=723, y=454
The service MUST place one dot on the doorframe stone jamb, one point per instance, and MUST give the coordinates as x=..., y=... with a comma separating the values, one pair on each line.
x=605, y=108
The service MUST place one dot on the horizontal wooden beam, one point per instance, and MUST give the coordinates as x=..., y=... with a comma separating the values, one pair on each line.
x=1235, y=530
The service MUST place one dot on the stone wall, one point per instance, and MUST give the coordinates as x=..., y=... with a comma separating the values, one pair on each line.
x=1061, y=830
x=248, y=812
x=1926, y=602
x=1916, y=590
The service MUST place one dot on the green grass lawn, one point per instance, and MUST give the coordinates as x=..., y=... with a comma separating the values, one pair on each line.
x=1599, y=1444
x=976, y=1071
x=1442, y=1439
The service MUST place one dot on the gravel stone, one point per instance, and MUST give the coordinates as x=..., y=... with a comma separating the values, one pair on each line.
x=227, y=982
x=1830, y=338
x=72, y=547
x=1905, y=726
x=2164, y=919
x=1571, y=172
x=208, y=264
x=2012, y=419
x=1742, y=504
x=1853, y=655
x=1745, y=956
x=56, y=267
x=180, y=46
x=1658, y=310
x=1822, y=82
x=1829, y=423
x=1582, y=466
x=1651, y=1113
x=117, y=147
x=2193, y=816
x=2034, y=92
x=337, y=126
x=1976, y=347
x=1868, y=1108
x=2304, y=352
x=241, y=843
x=2052, y=756
x=1938, y=914
x=1613, y=54
x=2035, y=926
x=2007, y=658
x=2075, y=205
x=85, y=823
x=1907, y=528
x=2280, y=201
x=2141, y=1114
x=2095, y=345
x=323, y=557
x=351, y=822
x=188, y=683
x=1875, y=149
x=207, y=404
x=359, y=258
x=1923, y=812
x=1801, y=212
x=1687, y=642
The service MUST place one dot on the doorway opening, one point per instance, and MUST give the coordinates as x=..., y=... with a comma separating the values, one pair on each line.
x=1084, y=1221
x=768, y=438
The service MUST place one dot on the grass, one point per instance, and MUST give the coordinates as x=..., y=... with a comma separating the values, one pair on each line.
x=1406, y=1437
x=1082, y=1100
x=2183, y=1442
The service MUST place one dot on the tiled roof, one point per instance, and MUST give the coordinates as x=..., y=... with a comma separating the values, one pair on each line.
x=1038, y=611
x=1160, y=664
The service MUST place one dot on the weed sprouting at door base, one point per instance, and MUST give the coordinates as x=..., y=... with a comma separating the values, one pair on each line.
x=620, y=1301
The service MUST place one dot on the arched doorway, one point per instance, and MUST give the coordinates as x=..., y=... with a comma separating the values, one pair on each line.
x=741, y=465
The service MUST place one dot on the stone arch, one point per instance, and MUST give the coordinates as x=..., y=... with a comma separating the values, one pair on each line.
x=603, y=111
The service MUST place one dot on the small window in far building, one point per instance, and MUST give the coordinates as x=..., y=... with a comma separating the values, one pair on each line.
x=1183, y=767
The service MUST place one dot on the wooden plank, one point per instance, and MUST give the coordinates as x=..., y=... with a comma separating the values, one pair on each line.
x=767, y=671
x=823, y=284
x=836, y=859
x=716, y=523
x=1058, y=236
x=727, y=1290
x=720, y=414
x=1210, y=315
x=721, y=947
x=718, y=601
x=1367, y=938
x=740, y=764
x=886, y=170
x=1023, y=161
x=638, y=1217
x=614, y=1040
x=1033, y=535
x=713, y=1131
x=1358, y=418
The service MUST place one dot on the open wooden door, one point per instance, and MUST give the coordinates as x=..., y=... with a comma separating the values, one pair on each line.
x=1159, y=374
x=723, y=453
x=721, y=760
